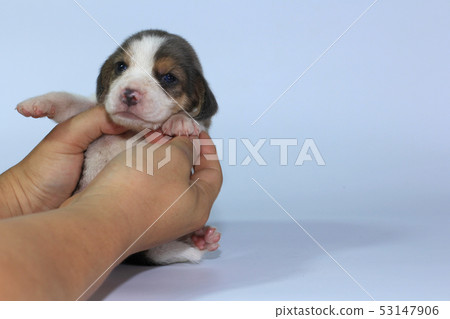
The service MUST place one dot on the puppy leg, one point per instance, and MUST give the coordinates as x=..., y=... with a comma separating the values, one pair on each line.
x=58, y=106
x=181, y=124
x=174, y=252
x=187, y=249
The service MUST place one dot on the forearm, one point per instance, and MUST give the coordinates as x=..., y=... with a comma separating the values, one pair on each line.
x=57, y=255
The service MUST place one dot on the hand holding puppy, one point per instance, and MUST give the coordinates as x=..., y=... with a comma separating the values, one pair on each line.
x=99, y=227
x=49, y=174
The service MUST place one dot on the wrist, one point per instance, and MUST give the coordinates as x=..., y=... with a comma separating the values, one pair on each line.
x=106, y=216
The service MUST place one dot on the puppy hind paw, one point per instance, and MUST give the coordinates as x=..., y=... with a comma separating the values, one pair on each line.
x=206, y=238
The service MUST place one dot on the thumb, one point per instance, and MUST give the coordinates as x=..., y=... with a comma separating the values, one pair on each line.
x=81, y=130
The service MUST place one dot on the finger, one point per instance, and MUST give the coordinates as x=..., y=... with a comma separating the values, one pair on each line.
x=168, y=157
x=157, y=137
x=184, y=144
x=208, y=171
x=84, y=128
x=70, y=200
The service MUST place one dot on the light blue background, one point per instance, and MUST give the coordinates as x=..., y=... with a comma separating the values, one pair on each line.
x=376, y=105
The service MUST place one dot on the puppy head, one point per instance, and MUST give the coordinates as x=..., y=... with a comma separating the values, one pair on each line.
x=153, y=75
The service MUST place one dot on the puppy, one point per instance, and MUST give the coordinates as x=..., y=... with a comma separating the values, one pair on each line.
x=154, y=80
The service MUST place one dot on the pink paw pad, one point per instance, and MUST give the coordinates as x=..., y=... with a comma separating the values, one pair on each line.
x=206, y=238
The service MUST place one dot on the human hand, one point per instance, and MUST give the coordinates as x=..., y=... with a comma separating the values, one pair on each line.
x=50, y=173
x=122, y=211
x=161, y=207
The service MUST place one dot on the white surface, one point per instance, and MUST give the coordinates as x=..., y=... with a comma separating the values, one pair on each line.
x=392, y=260
x=376, y=105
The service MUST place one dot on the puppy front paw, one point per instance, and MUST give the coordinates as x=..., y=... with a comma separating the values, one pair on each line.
x=39, y=106
x=180, y=124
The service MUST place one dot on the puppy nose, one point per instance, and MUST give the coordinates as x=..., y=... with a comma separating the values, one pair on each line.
x=130, y=97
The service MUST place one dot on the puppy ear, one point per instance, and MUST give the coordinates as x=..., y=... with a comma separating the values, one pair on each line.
x=207, y=104
x=104, y=80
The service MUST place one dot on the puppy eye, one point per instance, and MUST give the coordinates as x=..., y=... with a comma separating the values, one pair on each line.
x=169, y=78
x=120, y=67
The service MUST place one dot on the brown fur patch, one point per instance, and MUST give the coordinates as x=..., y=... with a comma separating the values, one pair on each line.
x=176, y=91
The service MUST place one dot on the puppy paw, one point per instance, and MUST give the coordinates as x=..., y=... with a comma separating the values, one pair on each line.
x=181, y=124
x=206, y=238
x=39, y=106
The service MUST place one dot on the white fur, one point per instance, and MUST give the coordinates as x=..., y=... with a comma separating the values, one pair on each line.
x=174, y=252
x=99, y=153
